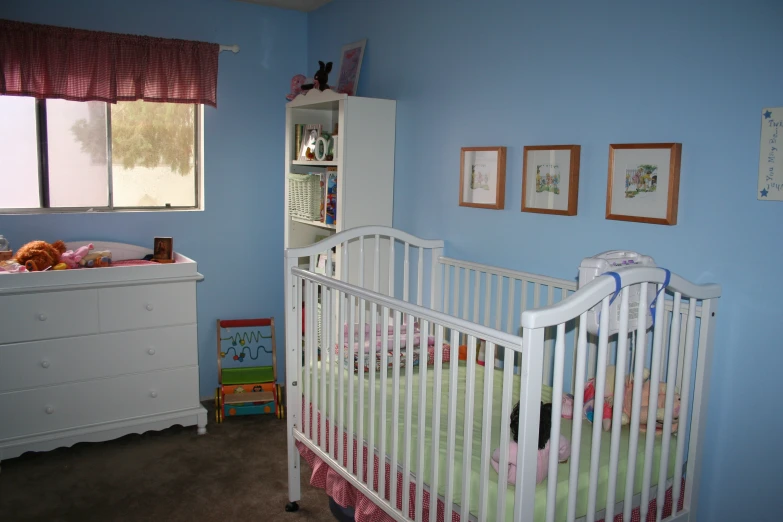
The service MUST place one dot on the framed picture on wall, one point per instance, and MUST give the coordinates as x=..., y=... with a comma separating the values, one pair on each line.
x=644, y=182
x=550, y=179
x=482, y=177
x=350, y=67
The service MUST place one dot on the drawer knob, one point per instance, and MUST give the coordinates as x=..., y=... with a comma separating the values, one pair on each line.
x=151, y=351
x=49, y=410
x=149, y=307
x=42, y=317
x=44, y=364
x=153, y=394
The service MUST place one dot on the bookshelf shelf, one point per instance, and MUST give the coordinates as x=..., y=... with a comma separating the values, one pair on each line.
x=364, y=164
x=318, y=224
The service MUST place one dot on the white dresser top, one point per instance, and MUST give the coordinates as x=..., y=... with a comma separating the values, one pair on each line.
x=183, y=269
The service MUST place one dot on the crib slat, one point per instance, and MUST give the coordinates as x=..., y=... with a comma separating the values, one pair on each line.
x=554, y=436
x=499, y=304
x=361, y=262
x=512, y=285
x=437, y=394
x=549, y=343
x=617, y=406
x=422, y=420
x=376, y=284
x=326, y=312
x=681, y=351
x=467, y=428
x=435, y=271
x=384, y=352
x=685, y=398
x=457, y=272
x=304, y=378
x=391, y=266
x=312, y=347
x=451, y=430
x=338, y=367
x=487, y=297
x=600, y=385
x=395, y=407
x=505, y=433
x=406, y=274
x=486, y=431
x=406, y=466
x=420, y=282
x=330, y=356
x=576, y=427
x=466, y=295
x=529, y=408
x=674, y=345
x=446, y=287
x=360, y=381
x=636, y=401
x=373, y=417
x=476, y=299
x=659, y=331
x=350, y=398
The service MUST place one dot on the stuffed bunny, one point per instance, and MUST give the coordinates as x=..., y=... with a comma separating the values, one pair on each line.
x=320, y=78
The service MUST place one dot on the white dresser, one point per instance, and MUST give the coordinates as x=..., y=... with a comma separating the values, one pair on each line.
x=94, y=354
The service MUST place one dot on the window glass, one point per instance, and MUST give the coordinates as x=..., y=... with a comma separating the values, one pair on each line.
x=18, y=153
x=153, y=154
x=78, y=172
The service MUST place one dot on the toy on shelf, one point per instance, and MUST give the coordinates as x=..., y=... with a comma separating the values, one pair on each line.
x=247, y=369
x=320, y=78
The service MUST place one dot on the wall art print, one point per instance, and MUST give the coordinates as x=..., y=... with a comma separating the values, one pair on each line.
x=644, y=182
x=482, y=177
x=550, y=179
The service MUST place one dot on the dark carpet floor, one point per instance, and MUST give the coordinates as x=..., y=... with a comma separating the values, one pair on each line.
x=238, y=471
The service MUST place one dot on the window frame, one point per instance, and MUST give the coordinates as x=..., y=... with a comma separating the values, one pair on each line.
x=42, y=138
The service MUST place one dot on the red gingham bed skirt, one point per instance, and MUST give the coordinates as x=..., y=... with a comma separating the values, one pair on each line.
x=345, y=494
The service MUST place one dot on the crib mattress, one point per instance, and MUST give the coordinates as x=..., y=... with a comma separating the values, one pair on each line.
x=498, y=424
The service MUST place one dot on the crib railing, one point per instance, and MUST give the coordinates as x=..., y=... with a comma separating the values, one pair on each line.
x=386, y=415
x=664, y=357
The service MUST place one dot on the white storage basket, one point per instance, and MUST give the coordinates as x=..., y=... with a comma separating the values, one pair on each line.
x=304, y=196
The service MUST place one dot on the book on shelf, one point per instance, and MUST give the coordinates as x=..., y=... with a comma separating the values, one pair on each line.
x=330, y=215
x=298, y=139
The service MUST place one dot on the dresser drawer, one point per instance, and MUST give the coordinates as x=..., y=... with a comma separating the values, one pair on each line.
x=88, y=403
x=28, y=317
x=146, y=306
x=59, y=361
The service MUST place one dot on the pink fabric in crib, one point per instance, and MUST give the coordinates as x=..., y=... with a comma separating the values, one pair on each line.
x=542, y=467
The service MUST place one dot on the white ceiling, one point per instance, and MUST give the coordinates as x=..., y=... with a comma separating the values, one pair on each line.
x=297, y=5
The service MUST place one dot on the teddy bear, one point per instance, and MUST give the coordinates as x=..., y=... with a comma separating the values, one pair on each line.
x=40, y=255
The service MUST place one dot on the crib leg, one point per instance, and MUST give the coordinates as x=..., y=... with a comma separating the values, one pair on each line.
x=292, y=507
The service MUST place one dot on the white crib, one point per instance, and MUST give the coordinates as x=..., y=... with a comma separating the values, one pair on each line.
x=417, y=440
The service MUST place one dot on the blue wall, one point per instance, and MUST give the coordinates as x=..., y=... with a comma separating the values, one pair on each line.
x=238, y=240
x=515, y=73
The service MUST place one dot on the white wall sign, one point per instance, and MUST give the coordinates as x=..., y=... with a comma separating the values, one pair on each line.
x=771, y=157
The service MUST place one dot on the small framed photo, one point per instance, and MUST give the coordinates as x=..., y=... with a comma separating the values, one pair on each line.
x=350, y=67
x=550, y=179
x=164, y=250
x=482, y=177
x=310, y=137
x=644, y=182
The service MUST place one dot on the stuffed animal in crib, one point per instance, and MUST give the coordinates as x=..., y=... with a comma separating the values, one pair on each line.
x=544, y=429
x=37, y=256
x=606, y=418
x=71, y=258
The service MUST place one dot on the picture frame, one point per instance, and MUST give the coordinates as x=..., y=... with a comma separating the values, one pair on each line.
x=163, y=250
x=482, y=177
x=643, y=184
x=310, y=136
x=350, y=66
x=550, y=179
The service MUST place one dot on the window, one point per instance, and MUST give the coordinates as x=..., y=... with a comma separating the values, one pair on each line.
x=68, y=155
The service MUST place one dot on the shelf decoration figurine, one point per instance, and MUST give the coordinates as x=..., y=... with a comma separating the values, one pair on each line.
x=296, y=86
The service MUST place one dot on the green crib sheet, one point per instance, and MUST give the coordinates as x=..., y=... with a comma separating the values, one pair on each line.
x=477, y=443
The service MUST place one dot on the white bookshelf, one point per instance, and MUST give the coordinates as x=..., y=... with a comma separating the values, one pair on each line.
x=364, y=161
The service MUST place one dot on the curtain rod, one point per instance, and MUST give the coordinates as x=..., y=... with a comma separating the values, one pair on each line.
x=233, y=48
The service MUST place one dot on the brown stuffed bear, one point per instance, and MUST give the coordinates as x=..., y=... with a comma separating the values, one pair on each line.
x=40, y=255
